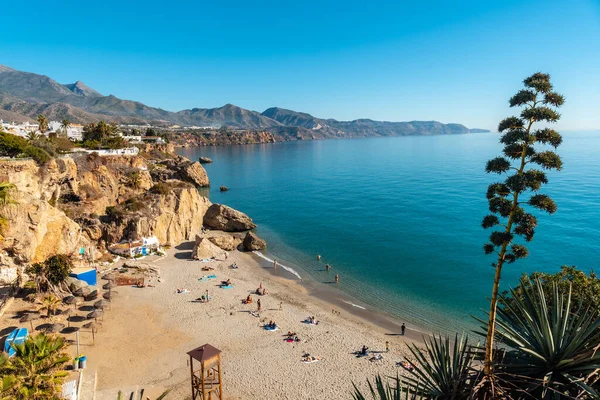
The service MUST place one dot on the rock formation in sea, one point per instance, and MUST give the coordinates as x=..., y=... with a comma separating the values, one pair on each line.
x=223, y=218
x=204, y=160
x=252, y=242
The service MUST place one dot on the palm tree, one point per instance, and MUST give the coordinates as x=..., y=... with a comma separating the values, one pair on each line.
x=35, y=371
x=42, y=123
x=134, y=179
x=65, y=125
x=32, y=136
x=553, y=350
x=50, y=303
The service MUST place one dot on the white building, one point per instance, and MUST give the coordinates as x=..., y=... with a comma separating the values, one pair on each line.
x=74, y=132
x=19, y=129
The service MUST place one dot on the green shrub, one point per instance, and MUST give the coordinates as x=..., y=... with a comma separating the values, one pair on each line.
x=40, y=156
x=12, y=145
x=161, y=188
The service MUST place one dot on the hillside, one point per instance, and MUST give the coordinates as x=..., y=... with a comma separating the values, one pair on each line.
x=25, y=95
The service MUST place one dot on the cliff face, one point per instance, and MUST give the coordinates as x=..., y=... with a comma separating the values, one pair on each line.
x=62, y=206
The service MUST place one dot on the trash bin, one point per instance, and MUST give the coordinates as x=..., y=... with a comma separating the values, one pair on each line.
x=76, y=363
x=82, y=361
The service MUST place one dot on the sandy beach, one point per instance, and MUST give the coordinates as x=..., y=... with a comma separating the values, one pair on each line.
x=147, y=332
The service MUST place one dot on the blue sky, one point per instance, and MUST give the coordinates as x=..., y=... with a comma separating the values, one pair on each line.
x=419, y=60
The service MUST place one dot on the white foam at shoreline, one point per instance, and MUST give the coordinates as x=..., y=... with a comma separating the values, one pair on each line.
x=354, y=305
x=288, y=269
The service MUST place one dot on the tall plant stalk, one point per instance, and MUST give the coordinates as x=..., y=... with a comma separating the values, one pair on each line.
x=506, y=198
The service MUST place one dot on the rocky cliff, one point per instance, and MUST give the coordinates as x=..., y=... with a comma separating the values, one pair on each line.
x=89, y=201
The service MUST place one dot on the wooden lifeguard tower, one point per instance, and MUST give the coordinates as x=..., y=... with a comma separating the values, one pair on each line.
x=207, y=379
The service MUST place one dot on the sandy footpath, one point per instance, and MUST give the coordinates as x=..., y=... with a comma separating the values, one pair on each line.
x=145, y=335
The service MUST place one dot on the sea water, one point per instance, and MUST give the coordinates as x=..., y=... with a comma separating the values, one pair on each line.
x=399, y=219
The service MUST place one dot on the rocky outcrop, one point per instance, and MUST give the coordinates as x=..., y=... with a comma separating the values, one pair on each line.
x=204, y=160
x=227, y=219
x=252, y=242
x=173, y=218
x=181, y=168
x=205, y=249
x=35, y=230
x=223, y=188
x=227, y=242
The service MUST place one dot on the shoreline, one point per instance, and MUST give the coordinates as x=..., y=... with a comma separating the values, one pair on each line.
x=144, y=340
x=331, y=296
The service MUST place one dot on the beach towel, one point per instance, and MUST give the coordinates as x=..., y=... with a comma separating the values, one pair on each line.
x=183, y=291
x=205, y=260
x=307, y=322
x=203, y=279
x=211, y=276
x=312, y=360
x=376, y=358
x=271, y=329
x=227, y=287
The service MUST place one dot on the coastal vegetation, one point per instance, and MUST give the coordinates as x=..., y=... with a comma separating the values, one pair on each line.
x=102, y=136
x=519, y=163
x=548, y=325
x=48, y=275
x=36, y=371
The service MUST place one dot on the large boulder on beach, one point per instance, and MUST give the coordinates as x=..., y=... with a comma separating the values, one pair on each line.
x=223, y=218
x=204, y=160
x=205, y=249
x=228, y=243
x=252, y=242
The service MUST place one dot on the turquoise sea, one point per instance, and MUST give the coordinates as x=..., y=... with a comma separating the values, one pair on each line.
x=399, y=218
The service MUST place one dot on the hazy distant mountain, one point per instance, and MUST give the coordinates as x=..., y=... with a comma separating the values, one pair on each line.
x=362, y=127
x=26, y=95
x=229, y=115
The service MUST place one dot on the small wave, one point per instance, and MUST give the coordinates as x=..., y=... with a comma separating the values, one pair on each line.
x=354, y=305
x=288, y=269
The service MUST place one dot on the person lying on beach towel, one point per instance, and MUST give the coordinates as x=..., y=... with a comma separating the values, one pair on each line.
x=376, y=358
x=181, y=290
x=408, y=366
x=307, y=358
x=255, y=314
x=311, y=321
x=271, y=326
x=248, y=300
x=233, y=266
x=207, y=268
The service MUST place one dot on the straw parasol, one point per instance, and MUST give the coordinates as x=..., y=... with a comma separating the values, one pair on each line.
x=95, y=314
x=109, y=285
x=101, y=304
x=54, y=328
x=94, y=327
x=83, y=291
x=109, y=277
x=29, y=317
x=110, y=295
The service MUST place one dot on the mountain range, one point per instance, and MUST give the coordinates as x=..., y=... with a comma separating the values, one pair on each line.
x=25, y=95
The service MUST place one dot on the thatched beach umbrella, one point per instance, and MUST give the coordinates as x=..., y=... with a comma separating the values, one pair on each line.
x=101, y=304
x=109, y=277
x=29, y=317
x=110, y=295
x=95, y=314
x=93, y=295
x=55, y=328
x=83, y=291
x=94, y=327
x=109, y=285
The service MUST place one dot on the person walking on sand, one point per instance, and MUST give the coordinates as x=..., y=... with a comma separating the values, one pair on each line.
x=387, y=346
x=403, y=327
x=207, y=298
x=337, y=278
x=258, y=305
x=274, y=264
x=281, y=305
